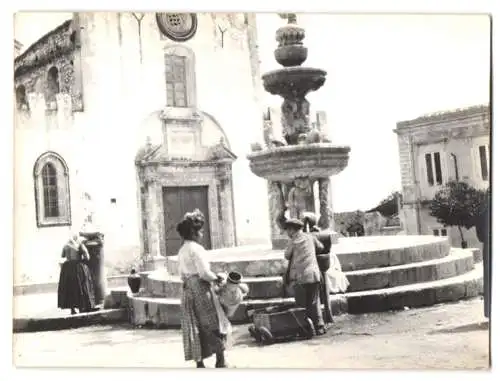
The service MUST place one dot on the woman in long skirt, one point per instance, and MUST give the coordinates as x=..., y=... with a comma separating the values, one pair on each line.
x=205, y=327
x=75, y=289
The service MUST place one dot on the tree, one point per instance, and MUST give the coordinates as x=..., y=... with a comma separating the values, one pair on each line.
x=350, y=223
x=389, y=206
x=457, y=204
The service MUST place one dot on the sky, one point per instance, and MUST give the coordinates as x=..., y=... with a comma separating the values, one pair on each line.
x=381, y=69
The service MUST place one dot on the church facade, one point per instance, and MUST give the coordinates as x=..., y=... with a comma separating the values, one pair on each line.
x=124, y=122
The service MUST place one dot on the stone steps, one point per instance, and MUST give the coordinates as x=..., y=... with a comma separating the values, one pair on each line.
x=160, y=284
x=165, y=312
x=457, y=263
x=354, y=254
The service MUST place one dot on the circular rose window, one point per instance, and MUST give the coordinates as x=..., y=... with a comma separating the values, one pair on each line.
x=177, y=26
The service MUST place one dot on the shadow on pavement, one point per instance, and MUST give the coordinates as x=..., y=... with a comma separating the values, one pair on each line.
x=481, y=326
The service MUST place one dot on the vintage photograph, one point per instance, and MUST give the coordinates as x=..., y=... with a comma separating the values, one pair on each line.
x=252, y=190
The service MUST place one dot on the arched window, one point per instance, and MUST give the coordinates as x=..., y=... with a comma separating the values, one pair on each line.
x=52, y=196
x=52, y=84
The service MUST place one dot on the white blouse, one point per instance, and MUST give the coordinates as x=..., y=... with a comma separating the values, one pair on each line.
x=192, y=261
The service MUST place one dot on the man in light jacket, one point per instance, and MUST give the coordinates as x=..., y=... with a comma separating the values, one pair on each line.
x=304, y=273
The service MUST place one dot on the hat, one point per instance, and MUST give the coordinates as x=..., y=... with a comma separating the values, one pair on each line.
x=293, y=222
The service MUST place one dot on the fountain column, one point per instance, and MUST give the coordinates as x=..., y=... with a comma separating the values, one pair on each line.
x=303, y=155
x=325, y=201
x=276, y=204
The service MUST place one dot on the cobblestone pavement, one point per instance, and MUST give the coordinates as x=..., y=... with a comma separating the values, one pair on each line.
x=453, y=336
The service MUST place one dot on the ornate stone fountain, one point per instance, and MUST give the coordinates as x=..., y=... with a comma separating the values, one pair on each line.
x=293, y=163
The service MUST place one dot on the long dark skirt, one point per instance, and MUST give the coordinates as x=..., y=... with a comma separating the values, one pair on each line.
x=201, y=334
x=75, y=289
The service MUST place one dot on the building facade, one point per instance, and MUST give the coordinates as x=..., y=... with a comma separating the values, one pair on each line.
x=438, y=148
x=125, y=121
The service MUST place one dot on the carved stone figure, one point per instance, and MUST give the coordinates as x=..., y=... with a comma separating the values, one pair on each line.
x=268, y=132
x=300, y=198
x=294, y=118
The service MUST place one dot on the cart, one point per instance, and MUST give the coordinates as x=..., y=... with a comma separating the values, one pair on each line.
x=280, y=323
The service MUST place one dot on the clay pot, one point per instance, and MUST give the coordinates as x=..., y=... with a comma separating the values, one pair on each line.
x=234, y=277
x=134, y=282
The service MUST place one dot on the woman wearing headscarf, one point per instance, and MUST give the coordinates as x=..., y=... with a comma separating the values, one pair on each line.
x=75, y=289
x=205, y=326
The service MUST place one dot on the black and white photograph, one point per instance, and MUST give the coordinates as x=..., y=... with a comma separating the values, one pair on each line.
x=285, y=189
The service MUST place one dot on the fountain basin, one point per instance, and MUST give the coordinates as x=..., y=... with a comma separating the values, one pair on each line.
x=319, y=160
x=293, y=81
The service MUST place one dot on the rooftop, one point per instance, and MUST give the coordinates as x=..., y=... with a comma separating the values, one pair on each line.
x=446, y=115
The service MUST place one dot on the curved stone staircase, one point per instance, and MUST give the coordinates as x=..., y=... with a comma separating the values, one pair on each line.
x=385, y=273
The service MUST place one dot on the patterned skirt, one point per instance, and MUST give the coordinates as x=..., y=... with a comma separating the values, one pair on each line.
x=204, y=325
x=75, y=289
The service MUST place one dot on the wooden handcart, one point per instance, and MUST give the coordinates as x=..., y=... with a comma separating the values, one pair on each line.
x=280, y=323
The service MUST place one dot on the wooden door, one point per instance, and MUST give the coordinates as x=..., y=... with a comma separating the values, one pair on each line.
x=178, y=201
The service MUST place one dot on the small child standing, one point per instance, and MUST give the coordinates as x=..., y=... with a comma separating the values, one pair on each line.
x=232, y=292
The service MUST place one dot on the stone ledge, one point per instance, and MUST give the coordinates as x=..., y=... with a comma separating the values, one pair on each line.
x=442, y=268
x=164, y=285
x=165, y=312
x=417, y=295
x=353, y=254
x=70, y=321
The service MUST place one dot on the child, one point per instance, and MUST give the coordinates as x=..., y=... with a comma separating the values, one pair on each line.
x=232, y=292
